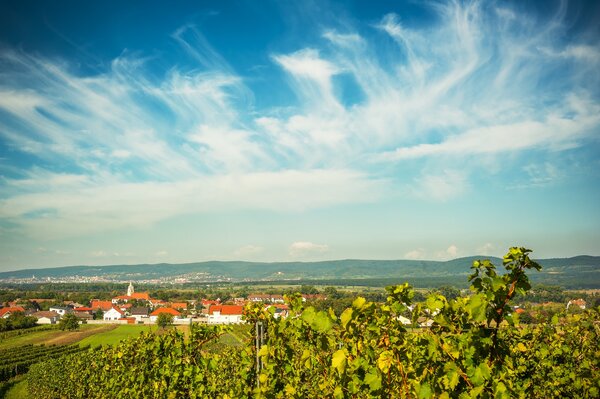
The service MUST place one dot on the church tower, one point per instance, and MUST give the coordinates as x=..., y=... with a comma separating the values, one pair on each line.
x=130, y=289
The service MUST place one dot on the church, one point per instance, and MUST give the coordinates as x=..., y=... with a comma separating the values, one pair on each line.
x=132, y=295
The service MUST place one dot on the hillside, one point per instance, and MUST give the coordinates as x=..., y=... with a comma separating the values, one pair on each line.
x=580, y=271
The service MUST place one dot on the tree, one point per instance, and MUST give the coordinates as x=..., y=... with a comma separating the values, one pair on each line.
x=448, y=291
x=164, y=320
x=69, y=322
x=18, y=320
x=308, y=289
x=99, y=314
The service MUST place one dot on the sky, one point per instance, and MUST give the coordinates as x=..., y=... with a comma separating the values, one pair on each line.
x=134, y=132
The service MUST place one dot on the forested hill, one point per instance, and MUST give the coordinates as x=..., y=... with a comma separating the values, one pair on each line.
x=579, y=271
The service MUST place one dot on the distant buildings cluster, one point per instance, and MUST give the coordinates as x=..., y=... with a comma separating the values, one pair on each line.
x=139, y=307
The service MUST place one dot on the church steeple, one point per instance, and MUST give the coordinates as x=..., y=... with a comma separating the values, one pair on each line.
x=130, y=289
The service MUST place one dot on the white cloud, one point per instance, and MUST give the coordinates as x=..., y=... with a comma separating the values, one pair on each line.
x=223, y=148
x=308, y=64
x=452, y=251
x=441, y=187
x=147, y=148
x=415, y=254
x=162, y=253
x=301, y=249
x=311, y=76
x=554, y=133
x=109, y=205
x=486, y=249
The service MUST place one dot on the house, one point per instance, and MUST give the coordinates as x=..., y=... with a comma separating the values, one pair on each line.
x=102, y=305
x=61, y=310
x=139, y=313
x=225, y=314
x=206, y=304
x=259, y=298
x=125, y=307
x=113, y=313
x=5, y=312
x=266, y=298
x=313, y=297
x=171, y=311
x=240, y=301
x=72, y=304
x=157, y=302
x=179, y=305
x=46, y=317
x=278, y=310
x=86, y=309
x=83, y=315
x=577, y=302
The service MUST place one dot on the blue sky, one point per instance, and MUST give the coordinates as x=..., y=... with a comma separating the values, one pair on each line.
x=151, y=132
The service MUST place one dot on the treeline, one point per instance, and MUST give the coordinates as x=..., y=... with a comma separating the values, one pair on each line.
x=474, y=348
x=16, y=321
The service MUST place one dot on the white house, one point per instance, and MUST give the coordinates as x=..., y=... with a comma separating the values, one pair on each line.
x=171, y=311
x=61, y=310
x=113, y=313
x=46, y=317
x=139, y=313
x=225, y=314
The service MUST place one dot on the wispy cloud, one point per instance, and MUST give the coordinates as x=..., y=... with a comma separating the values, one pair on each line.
x=307, y=249
x=135, y=149
x=415, y=254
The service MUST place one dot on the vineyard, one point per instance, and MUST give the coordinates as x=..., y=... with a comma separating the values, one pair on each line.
x=15, y=362
x=26, y=331
x=474, y=348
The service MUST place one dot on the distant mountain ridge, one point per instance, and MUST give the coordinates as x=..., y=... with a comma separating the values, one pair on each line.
x=578, y=271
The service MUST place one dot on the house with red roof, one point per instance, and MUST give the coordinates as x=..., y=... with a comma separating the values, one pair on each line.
x=157, y=302
x=179, y=305
x=225, y=314
x=5, y=312
x=102, y=305
x=171, y=311
x=577, y=302
x=114, y=313
x=86, y=309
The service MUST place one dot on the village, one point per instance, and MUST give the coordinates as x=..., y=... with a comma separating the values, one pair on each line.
x=139, y=308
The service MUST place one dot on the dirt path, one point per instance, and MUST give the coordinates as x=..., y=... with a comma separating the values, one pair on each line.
x=71, y=337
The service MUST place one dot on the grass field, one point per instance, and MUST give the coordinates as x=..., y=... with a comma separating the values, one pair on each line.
x=55, y=337
x=116, y=335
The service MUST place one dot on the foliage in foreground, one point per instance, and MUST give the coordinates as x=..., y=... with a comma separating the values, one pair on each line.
x=475, y=348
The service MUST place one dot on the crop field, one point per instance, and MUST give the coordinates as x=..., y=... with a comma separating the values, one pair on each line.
x=115, y=335
x=54, y=337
